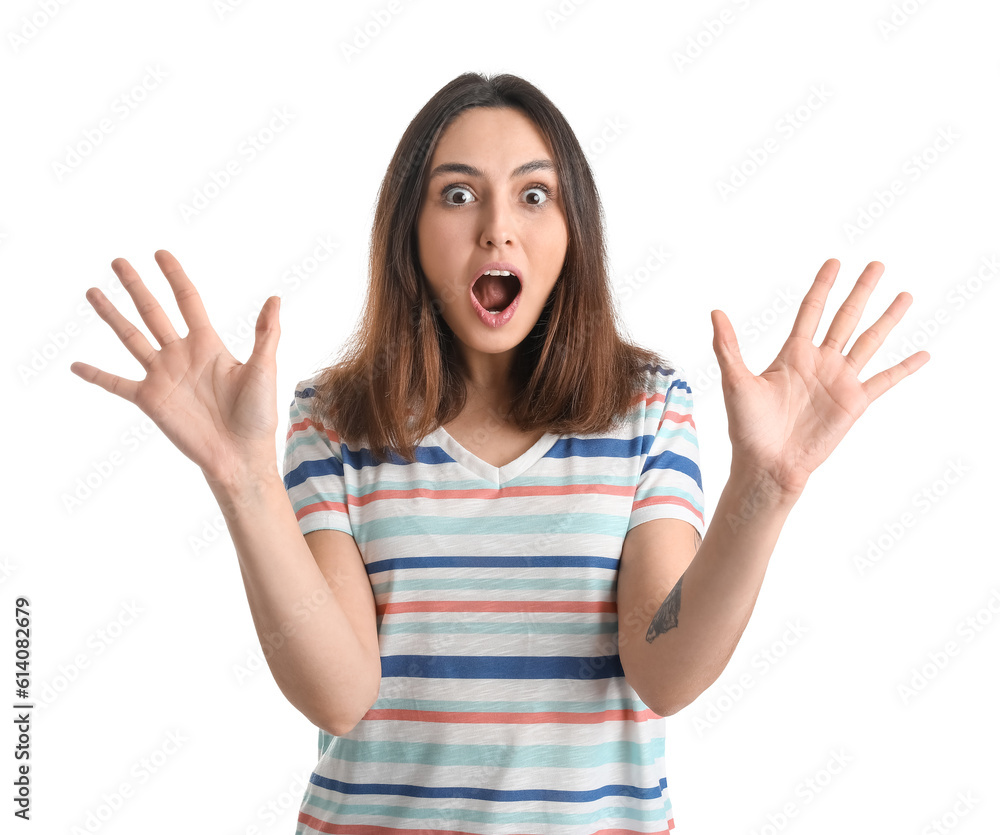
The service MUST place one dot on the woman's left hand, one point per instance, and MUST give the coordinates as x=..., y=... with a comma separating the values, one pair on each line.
x=786, y=422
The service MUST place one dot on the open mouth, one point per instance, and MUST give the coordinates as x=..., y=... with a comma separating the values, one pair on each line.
x=495, y=291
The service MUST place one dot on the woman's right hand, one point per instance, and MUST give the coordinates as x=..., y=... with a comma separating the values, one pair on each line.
x=221, y=413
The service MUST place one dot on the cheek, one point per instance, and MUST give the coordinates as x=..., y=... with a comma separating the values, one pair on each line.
x=438, y=235
x=551, y=238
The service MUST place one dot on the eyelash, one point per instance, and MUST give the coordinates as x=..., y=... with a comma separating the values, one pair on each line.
x=539, y=186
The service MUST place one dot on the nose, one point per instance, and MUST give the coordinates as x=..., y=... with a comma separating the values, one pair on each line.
x=498, y=224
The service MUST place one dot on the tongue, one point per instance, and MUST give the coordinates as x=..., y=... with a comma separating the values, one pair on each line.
x=495, y=292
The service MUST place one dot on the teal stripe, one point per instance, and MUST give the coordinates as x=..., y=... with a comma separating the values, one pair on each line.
x=311, y=438
x=316, y=497
x=528, y=757
x=438, y=484
x=498, y=584
x=401, y=814
x=641, y=494
x=500, y=628
x=598, y=524
x=682, y=431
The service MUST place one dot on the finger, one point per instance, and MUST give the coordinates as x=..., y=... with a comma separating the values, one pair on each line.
x=871, y=340
x=811, y=309
x=849, y=315
x=131, y=337
x=149, y=308
x=188, y=300
x=266, y=335
x=108, y=382
x=727, y=348
x=885, y=380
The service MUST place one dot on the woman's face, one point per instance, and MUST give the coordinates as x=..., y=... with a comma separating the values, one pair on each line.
x=491, y=196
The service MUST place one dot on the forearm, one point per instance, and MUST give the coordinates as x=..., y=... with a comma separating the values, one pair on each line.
x=715, y=596
x=311, y=648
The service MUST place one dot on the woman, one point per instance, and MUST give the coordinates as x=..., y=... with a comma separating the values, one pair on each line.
x=473, y=566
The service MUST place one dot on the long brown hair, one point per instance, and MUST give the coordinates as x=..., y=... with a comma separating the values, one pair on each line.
x=401, y=378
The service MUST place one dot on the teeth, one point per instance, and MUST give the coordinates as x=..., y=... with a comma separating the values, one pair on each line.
x=497, y=272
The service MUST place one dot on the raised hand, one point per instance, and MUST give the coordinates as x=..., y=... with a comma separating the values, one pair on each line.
x=787, y=421
x=219, y=412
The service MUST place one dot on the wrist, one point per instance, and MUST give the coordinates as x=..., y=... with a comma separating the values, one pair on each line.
x=768, y=488
x=245, y=486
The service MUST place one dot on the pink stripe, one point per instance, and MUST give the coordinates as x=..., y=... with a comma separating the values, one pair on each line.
x=306, y=423
x=677, y=417
x=318, y=506
x=677, y=500
x=485, y=493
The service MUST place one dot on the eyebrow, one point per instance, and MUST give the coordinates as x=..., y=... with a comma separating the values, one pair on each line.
x=472, y=171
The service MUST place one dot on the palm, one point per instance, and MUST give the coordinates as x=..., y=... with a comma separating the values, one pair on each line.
x=216, y=410
x=788, y=420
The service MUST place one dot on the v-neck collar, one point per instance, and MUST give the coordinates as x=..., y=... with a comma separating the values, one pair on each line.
x=485, y=470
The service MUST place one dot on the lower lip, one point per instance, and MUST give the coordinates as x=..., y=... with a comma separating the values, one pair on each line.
x=495, y=320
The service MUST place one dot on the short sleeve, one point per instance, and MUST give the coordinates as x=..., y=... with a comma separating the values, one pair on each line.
x=313, y=468
x=669, y=483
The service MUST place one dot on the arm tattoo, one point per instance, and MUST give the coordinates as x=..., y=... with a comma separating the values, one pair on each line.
x=666, y=616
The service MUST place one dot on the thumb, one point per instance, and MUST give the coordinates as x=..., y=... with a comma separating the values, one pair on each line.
x=265, y=341
x=727, y=349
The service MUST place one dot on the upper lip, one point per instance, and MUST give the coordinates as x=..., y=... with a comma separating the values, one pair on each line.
x=498, y=265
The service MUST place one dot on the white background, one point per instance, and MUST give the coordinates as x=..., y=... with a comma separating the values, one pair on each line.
x=662, y=133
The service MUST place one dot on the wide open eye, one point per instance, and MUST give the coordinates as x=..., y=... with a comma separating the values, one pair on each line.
x=540, y=199
x=458, y=189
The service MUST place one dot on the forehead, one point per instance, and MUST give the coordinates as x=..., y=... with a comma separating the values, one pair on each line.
x=491, y=138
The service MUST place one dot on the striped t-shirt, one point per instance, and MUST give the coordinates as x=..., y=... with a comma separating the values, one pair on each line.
x=503, y=707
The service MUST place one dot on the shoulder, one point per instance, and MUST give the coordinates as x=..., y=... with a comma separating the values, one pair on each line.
x=305, y=420
x=666, y=382
x=305, y=390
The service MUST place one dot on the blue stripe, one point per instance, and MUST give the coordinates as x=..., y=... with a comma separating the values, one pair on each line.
x=502, y=666
x=527, y=561
x=316, y=468
x=668, y=460
x=496, y=795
